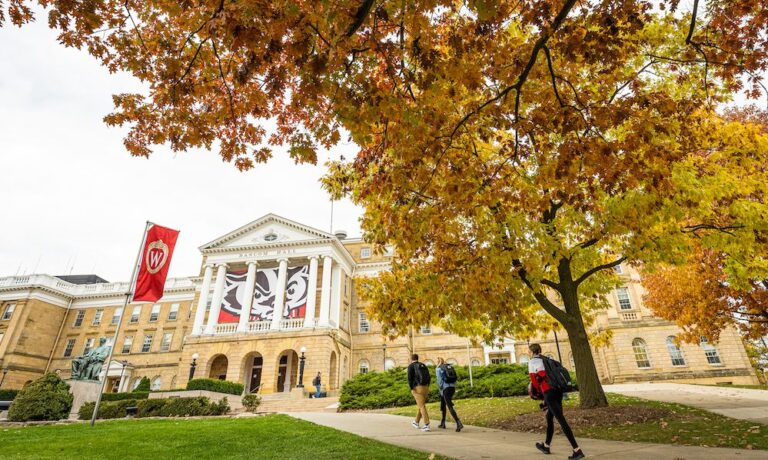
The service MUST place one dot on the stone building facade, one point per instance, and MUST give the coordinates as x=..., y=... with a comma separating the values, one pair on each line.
x=277, y=265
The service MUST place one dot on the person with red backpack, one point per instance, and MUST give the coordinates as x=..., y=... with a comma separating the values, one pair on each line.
x=418, y=380
x=549, y=380
x=446, y=385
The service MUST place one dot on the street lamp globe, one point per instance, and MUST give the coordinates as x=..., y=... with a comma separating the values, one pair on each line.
x=303, y=350
x=195, y=356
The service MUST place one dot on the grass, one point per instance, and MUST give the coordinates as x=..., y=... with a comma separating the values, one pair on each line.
x=684, y=425
x=268, y=437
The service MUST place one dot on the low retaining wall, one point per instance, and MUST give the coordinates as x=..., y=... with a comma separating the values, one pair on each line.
x=235, y=401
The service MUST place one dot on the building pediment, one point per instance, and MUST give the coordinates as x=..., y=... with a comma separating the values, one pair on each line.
x=266, y=230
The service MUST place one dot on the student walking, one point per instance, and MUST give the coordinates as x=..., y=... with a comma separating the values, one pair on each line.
x=446, y=384
x=316, y=383
x=418, y=380
x=546, y=387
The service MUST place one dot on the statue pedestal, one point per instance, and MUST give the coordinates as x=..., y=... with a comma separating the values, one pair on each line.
x=83, y=391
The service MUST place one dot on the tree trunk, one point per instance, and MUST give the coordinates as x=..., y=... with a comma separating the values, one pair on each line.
x=590, y=389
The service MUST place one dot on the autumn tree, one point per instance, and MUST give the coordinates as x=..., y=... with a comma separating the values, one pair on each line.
x=514, y=152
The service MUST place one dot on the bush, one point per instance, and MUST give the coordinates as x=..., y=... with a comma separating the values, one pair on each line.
x=143, y=387
x=8, y=395
x=218, y=386
x=47, y=398
x=122, y=396
x=374, y=390
x=171, y=407
x=251, y=402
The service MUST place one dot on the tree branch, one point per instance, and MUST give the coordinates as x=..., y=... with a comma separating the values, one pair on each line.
x=596, y=269
x=540, y=297
x=360, y=15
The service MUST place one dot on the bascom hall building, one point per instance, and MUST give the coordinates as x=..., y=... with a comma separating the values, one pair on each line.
x=278, y=265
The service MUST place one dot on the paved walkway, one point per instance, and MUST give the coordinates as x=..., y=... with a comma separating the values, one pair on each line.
x=485, y=443
x=741, y=403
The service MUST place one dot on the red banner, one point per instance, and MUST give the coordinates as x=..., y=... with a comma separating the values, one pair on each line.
x=155, y=261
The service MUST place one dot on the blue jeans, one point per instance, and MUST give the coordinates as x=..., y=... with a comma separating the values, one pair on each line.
x=317, y=393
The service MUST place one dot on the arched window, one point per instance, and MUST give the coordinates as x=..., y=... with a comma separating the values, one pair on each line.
x=364, y=366
x=475, y=362
x=674, y=352
x=389, y=363
x=524, y=359
x=136, y=383
x=641, y=353
x=156, y=383
x=173, y=383
x=429, y=362
x=452, y=362
x=713, y=357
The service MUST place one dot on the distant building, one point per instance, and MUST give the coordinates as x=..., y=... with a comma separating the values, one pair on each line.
x=308, y=274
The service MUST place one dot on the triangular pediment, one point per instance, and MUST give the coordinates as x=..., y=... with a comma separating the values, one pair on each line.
x=270, y=229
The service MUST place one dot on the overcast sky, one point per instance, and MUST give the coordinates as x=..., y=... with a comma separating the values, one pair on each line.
x=72, y=198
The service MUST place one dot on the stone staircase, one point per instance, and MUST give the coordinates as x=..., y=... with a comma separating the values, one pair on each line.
x=298, y=405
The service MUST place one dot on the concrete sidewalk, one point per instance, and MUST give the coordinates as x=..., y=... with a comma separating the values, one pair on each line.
x=740, y=403
x=485, y=443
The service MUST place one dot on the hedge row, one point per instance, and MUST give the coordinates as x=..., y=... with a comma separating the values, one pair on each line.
x=374, y=390
x=8, y=395
x=218, y=386
x=123, y=396
x=47, y=398
x=171, y=407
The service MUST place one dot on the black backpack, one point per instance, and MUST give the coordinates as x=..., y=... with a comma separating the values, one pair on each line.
x=422, y=374
x=450, y=374
x=558, y=377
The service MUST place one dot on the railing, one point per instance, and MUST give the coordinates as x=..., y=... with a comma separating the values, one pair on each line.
x=295, y=323
x=60, y=285
x=226, y=328
x=629, y=316
x=259, y=326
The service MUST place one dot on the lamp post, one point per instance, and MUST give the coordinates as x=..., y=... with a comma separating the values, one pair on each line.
x=384, y=347
x=301, y=368
x=5, y=371
x=193, y=366
x=557, y=344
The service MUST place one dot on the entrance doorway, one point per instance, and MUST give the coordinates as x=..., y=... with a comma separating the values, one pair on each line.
x=219, y=368
x=287, y=370
x=254, y=377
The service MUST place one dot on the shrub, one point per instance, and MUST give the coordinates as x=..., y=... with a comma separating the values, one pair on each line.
x=47, y=398
x=218, y=386
x=8, y=395
x=251, y=402
x=143, y=387
x=122, y=396
x=171, y=407
x=375, y=390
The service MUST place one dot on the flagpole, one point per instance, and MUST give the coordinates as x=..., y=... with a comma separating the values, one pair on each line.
x=128, y=295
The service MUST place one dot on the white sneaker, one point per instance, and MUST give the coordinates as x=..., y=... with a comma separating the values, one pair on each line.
x=415, y=425
x=425, y=429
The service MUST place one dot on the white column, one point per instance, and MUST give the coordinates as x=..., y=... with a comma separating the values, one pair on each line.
x=197, y=327
x=325, y=293
x=277, y=314
x=218, y=294
x=245, y=313
x=309, y=315
x=336, y=294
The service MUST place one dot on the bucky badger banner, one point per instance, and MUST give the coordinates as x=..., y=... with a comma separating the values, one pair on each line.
x=263, y=305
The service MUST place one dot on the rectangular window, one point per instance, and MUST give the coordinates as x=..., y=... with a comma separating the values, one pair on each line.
x=426, y=330
x=208, y=306
x=173, y=313
x=165, y=345
x=9, y=311
x=127, y=343
x=365, y=253
x=135, y=315
x=147, y=345
x=623, y=295
x=88, y=345
x=116, y=315
x=79, y=318
x=713, y=357
x=68, y=349
x=365, y=326
x=97, y=317
x=155, y=313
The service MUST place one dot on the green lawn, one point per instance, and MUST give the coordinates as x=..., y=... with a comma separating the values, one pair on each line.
x=268, y=437
x=680, y=424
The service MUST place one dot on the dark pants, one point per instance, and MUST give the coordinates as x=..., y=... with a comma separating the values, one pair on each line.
x=446, y=399
x=554, y=401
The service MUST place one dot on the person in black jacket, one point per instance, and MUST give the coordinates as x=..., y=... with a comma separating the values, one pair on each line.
x=419, y=383
x=316, y=383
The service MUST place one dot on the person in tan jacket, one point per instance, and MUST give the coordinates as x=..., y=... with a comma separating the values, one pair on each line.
x=418, y=380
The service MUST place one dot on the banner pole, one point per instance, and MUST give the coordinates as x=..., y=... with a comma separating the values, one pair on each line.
x=128, y=294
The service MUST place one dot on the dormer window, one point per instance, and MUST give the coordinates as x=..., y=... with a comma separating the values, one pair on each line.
x=271, y=236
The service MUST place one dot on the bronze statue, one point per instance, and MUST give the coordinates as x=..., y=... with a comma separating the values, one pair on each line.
x=88, y=366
